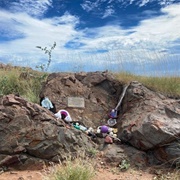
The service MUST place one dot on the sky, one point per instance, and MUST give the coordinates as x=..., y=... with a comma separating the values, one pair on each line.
x=136, y=36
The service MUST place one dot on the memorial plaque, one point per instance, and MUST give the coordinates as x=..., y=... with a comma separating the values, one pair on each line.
x=77, y=102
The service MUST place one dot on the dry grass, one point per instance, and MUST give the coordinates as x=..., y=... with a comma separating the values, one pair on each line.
x=78, y=169
x=169, y=86
x=22, y=81
x=27, y=82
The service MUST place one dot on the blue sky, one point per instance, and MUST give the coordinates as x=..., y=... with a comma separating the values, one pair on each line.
x=137, y=36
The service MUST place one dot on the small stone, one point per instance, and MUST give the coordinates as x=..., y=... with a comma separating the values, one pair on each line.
x=20, y=178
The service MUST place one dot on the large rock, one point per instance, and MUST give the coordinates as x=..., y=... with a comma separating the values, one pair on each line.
x=115, y=154
x=99, y=90
x=147, y=120
x=28, y=131
x=150, y=121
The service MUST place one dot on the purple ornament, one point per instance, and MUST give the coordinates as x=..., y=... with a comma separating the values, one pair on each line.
x=104, y=129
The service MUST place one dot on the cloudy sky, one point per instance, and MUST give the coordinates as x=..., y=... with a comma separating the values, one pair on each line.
x=137, y=36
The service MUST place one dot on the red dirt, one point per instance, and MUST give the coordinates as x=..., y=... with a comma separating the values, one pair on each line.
x=101, y=174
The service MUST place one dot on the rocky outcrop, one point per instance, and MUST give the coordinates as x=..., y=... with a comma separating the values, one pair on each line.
x=29, y=132
x=147, y=120
x=151, y=121
x=99, y=90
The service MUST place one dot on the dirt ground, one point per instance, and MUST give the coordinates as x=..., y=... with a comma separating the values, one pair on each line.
x=103, y=171
x=101, y=174
x=128, y=175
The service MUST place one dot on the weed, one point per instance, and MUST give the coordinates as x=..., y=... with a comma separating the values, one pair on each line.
x=44, y=67
x=92, y=152
x=124, y=165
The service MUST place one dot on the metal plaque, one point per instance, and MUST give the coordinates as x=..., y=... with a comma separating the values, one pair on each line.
x=77, y=102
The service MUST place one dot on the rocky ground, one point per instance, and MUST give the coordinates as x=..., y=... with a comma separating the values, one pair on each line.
x=103, y=171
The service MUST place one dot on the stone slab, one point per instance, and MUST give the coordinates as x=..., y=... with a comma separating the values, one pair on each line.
x=76, y=102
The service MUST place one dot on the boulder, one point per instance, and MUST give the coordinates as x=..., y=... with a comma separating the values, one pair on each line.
x=150, y=121
x=28, y=131
x=116, y=153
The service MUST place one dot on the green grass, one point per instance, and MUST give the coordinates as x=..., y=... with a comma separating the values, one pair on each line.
x=73, y=170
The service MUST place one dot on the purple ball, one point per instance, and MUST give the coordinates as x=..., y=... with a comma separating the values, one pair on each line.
x=104, y=129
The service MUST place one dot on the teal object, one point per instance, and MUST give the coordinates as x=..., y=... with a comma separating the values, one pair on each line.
x=77, y=127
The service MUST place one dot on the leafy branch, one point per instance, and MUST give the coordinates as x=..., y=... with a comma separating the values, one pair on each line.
x=49, y=53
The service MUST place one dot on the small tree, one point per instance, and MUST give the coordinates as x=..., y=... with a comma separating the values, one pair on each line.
x=44, y=67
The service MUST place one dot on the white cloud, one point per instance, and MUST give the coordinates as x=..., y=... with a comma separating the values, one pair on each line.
x=135, y=44
x=89, y=6
x=34, y=8
x=144, y=2
x=160, y=2
x=162, y=29
x=65, y=19
x=144, y=43
x=36, y=33
x=131, y=1
x=166, y=2
x=108, y=12
x=98, y=6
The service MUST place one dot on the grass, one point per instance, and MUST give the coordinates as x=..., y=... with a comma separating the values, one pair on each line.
x=169, y=86
x=22, y=81
x=78, y=169
x=27, y=82
x=92, y=152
